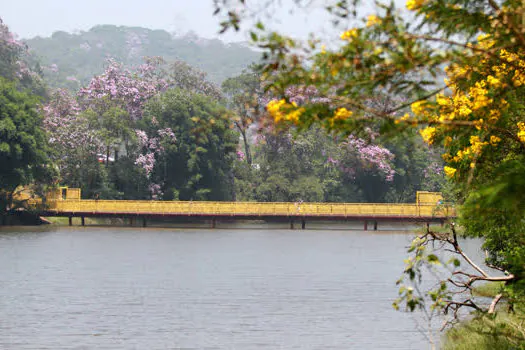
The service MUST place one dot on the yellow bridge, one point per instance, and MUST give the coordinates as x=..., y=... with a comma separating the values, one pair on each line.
x=67, y=202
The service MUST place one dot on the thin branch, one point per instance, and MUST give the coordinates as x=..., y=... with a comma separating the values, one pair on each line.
x=467, y=259
x=495, y=301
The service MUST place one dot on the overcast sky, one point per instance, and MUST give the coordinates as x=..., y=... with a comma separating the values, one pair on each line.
x=29, y=18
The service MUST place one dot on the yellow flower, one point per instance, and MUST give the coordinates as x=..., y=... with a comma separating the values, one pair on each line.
x=274, y=108
x=521, y=135
x=350, y=34
x=419, y=107
x=449, y=171
x=478, y=124
x=372, y=20
x=494, y=140
x=294, y=115
x=342, y=114
x=291, y=112
x=464, y=111
x=477, y=145
x=521, y=132
x=414, y=4
x=518, y=79
x=494, y=115
x=485, y=42
x=447, y=141
x=428, y=134
x=493, y=81
x=402, y=119
x=442, y=100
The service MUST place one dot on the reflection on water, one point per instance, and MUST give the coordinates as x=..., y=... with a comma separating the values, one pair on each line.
x=130, y=288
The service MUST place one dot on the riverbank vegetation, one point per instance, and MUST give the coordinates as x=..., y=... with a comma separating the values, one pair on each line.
x=454, y=71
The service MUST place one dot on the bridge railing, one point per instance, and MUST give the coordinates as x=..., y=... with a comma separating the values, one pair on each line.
x=249, y=208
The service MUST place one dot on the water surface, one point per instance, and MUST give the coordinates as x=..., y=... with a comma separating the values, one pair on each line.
x=130, y=288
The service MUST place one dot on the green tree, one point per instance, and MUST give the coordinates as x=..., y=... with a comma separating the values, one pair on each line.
x=23, y=143
x=244, y=95
x=199, y=164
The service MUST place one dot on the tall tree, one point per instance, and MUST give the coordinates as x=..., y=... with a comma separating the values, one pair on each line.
x=245, y=96
x=23, y=143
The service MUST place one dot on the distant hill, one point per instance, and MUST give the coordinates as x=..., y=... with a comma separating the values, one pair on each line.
x=71, y=59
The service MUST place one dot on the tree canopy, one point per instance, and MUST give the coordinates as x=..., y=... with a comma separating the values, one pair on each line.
x=23, y=144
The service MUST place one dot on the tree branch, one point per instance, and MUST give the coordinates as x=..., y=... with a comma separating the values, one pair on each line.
x=495, y=301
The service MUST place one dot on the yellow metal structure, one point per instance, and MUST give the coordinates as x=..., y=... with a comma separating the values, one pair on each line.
x=426, y=206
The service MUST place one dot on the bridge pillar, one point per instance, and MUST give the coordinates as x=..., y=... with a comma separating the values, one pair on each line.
x=291, y=224
x=70, y=221
x=131, y=221
x=303, y=224
x=375, y=225
x=366, y=226
x=143, y=221
x=83, y=221
x=213, y=223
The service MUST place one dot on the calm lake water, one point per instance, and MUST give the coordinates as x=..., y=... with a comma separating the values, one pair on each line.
x=132, y=288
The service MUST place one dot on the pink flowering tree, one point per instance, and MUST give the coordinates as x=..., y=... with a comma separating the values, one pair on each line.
x=10, y=52
x=105, y=120
x=116, y=100
x=74, y=142
x=13, y=62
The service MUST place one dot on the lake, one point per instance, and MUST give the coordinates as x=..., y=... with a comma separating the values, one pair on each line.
x=158, y=288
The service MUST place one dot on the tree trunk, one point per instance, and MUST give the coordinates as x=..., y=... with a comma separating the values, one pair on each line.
x=116, y=155
x=246, y=147
x=107, y=156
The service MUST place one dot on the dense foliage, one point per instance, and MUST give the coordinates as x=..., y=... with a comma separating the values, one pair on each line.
x=23, y=144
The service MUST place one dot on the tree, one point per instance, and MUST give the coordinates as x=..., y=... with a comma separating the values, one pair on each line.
x=23, y=143
x=198, y=166
x=186, y=77
x=14, y=66
x=245, y=95
x=476, y=118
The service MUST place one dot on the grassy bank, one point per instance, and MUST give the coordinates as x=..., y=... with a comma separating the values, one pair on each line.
x=502, y=330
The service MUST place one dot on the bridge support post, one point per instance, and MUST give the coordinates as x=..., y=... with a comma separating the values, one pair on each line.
x=131, y=221
x=366, y=226
x=303, y=224
x=291, y=224
x=83, y=221
x=70, y=221
x=213, y=223
x=143, y=221
x=375, y=225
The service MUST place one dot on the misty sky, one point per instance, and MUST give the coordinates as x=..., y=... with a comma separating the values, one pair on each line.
x=28, y=18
